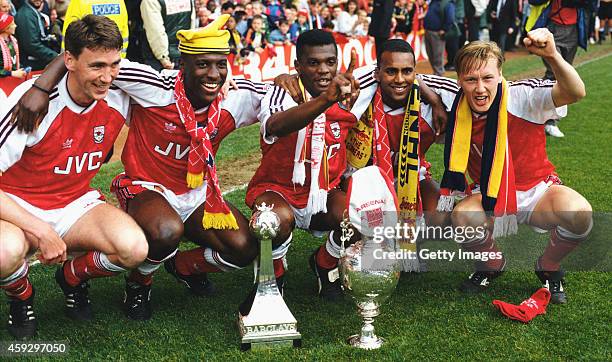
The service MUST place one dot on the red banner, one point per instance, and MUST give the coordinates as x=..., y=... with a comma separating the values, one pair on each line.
x=279, y=59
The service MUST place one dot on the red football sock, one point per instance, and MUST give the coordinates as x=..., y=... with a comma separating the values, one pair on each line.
x=325, y=260
x=85, y=267
x=136, y=277
x=279, y=267
x=528, y=309
x=485, y=245
x=192, y=262
x=21, y=288
x=557, y=249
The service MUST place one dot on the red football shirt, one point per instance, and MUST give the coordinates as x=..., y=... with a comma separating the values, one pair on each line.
x=54, y=165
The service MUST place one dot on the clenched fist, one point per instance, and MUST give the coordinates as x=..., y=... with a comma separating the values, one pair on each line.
x=541, y=42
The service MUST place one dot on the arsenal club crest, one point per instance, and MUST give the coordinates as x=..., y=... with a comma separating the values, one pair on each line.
x=98, y=134
x=335, y=128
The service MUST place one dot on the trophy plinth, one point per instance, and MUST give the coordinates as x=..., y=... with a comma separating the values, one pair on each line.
x=270, y=323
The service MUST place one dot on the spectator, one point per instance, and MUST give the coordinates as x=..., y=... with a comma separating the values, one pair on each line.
x=314, y=18
x=161, y=23
x=502, y=14
x=568, y=21
x=112, y=9
x=291, y=16
x=61, y=6
x=33, y=40
x=302, y=22
x=351, y=10
x=10, y=48
x=401, y=16
x=55, y=27
x=241, y=22
x=7, y=7
x=274, y=12
x=255, y=39
x=326, y=14
x=473, y=12
x=228, y=8
x=281, y=35
x=235, y=40
x=258, y=11
x=380, y=26
x=605, y=17
x=439, y=19
x=456, y=39
x=360, y=28
x=214, y=10
x=338, y=19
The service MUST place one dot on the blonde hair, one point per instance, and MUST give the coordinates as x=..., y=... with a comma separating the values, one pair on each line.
x=474, y=54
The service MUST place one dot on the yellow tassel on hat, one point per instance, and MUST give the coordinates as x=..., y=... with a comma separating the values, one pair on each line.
x=219, y=220
x=209, y=39
x=195, y=180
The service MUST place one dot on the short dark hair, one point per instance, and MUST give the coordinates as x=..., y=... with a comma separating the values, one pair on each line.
x=239, y=15
x=311, y=38
x=228, y=5
x=92, y=32
x=283, y=21
x=395, y=46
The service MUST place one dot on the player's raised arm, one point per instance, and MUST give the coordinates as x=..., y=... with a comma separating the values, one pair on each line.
x=339, y=88
x=569, y=87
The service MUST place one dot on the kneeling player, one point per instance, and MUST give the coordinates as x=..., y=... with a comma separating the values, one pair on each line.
x=170, y=183
x=397, y=130
x=496, y=133
x=47, y=173
x=304, y=154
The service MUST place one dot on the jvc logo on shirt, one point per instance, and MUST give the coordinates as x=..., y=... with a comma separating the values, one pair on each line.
x=106, y=9
x=180, y=151
x=90, y=160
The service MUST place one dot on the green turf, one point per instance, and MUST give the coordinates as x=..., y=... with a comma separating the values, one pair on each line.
x=426, y=318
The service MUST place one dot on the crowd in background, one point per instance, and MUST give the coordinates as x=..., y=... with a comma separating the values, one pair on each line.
x=257, y=24
x=31, y=30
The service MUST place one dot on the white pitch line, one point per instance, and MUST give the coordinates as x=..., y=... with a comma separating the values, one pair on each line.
x=593, y=60
x=235, y=188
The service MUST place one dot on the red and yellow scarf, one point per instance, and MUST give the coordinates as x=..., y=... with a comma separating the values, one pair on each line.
x=217, y=215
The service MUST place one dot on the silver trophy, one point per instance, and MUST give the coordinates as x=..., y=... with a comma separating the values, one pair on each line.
x=368, y=279
x=269, y=323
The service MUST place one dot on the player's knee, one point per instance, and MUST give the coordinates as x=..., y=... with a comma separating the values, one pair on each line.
x=467, y=216
x=244, y=250
x=167, y=235
x=12, y=254
x=580, y=218
x=287, y=224
x=133, y=248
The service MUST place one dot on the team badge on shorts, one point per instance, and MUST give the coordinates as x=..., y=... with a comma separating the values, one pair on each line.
x=98, y=134
x=335, y=128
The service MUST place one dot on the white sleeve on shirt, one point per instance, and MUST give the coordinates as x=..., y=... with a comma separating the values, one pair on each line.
x=12, y=141
x=446, y=88
x=531, y=100
x=367, y=88
x=276, y=100
x=244, y=103
x=145, y=85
